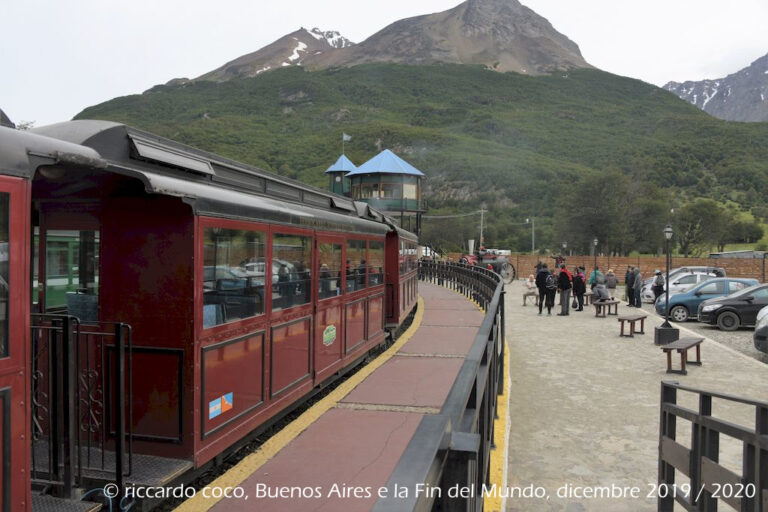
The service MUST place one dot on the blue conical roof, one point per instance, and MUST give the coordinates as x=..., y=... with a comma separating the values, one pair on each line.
x=386, y=162
x=342, y=164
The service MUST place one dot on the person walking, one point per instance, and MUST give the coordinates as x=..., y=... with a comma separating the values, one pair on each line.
x=564, y=285
x=637, y=285
x=579, y=287
x=541, y=283
x=629, y=288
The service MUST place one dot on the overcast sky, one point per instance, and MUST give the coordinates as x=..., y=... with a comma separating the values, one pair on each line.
x=60, y=56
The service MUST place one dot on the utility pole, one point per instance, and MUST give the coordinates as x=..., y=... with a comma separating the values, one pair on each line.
x=482, y=241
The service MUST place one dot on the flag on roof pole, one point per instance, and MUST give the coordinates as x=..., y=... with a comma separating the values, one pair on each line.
x=345, y=137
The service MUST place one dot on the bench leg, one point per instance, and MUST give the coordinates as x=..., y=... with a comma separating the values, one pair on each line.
x=642, y=326
x=683, y=360
x=669, y=361
x=631, y=329
x=697, y=362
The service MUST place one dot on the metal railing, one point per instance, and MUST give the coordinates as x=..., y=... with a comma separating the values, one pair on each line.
x=711, y=482
x=81, y=383
x=451, y=450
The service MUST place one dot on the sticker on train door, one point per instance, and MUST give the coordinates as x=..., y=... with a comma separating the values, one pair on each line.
x=329, y=335
x=214, y=408
x=226, y=402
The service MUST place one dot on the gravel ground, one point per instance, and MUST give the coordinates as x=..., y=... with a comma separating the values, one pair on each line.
x=740, y=340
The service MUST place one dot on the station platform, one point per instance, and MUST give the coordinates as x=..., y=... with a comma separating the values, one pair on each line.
x=344, y=448
x=585, y=406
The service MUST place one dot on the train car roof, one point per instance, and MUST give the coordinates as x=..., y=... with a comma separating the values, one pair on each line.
x=213, y=184
x=22, y=152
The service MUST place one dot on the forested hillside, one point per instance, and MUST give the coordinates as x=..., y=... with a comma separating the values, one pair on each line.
x=587, y=153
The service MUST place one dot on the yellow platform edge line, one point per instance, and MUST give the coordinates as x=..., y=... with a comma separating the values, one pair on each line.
x=500, y=453
x=251, y=463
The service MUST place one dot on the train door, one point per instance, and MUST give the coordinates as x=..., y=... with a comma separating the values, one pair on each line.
x=14, y=336
x=329, y=339
x=67, y=270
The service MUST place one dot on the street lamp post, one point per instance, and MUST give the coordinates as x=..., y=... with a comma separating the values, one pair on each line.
x=532, y=222
x=665, y=333
x=594, y=242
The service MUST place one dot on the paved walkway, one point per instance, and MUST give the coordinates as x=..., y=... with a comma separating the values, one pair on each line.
x=338, y=453
x=584, y=404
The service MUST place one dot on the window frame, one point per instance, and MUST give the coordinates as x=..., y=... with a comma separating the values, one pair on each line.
x=216, y=332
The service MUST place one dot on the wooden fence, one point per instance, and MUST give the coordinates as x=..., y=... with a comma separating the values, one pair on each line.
x=734, y=267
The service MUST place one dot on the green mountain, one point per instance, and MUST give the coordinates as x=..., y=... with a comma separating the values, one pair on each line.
x=552, y=146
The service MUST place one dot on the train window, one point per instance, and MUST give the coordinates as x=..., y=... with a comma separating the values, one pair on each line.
x=291, y=271
x=410, y=257
x=4, y=272
x=356, y=265
x=233, y=275
x=72, y=273
x=375, y=263
x=329, y=277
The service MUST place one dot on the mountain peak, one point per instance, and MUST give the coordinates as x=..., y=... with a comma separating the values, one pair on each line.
x=290, y=50
x=501, y=34
x=741, y=96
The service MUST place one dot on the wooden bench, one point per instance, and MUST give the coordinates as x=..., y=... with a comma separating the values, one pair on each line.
x=601, y=307
x=632, y=320
x=682, y=346
x=588, y=298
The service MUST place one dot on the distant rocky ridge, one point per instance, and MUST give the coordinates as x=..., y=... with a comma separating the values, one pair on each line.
x=500, y=34
x=290, y=50
x=742, y=96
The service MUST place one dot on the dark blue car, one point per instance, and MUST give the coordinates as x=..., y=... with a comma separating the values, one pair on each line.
x=685, y=305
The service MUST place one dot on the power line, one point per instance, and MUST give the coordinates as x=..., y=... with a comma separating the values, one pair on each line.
x=450, y=216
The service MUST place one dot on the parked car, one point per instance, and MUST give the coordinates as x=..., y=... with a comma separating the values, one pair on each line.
x=685, y=305
x=760, y=338
x=646, y=293
x=737, y=310
x=682, y=282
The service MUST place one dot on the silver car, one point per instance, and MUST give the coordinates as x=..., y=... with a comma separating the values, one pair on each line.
x=680, y=281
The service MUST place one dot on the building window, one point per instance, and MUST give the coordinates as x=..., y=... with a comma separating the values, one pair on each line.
x=375, y=263
x=234, y=276
x=410, y=191
x=329, y=276
x=356, y=266
x=291, y=271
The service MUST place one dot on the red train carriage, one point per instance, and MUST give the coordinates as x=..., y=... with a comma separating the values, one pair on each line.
x=209, y=296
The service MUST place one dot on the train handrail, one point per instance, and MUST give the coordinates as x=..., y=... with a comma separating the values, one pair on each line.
x=451, y=450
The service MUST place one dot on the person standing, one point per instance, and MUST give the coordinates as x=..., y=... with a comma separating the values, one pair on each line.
x=629, y=288
x=579, y=287
x=658, y=285
x=627, y=276
x=611, y=281
x=637, y=285
x=541, y=283
x=564, y=285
